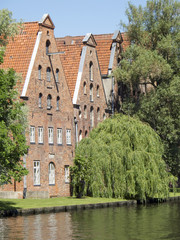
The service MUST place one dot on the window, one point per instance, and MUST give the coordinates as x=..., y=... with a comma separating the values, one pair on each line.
x=48, y=74
x=40, y=100
x=98, y=113
x=91, y=92
x=104, y=116
x=66, y=173
x=57, y=75
x=57, y=103
x=68, y=137
x=51, y=173
x=84, y=87
x=39, y=72
x=85, y=111
x=47, y=46
x=80, y=114
x=92, y=117
x=40, y=134
x=97, y=90
x=91, y=71
x=36, y=172
x=59, y=136
x=32, y=134
x=86, y=133
x=80, y=135
x=49, y=101
x=50, y=135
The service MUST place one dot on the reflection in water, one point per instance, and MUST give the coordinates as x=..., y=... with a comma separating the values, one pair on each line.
x=122, y=223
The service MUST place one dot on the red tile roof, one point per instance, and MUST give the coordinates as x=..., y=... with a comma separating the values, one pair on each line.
x=104, y=42
x=19, y=51
x=72, y=47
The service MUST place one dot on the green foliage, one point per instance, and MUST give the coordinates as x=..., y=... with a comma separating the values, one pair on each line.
x=122, y=158
x=12, y=129
x=152, y=62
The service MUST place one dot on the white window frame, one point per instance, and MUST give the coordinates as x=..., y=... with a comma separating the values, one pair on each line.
x=40, y=135
x=51, y=170
x=32, y=134
x=68, y=136
x=66, y=173
x=59, y=136
x=36, y=173
x=50, y=135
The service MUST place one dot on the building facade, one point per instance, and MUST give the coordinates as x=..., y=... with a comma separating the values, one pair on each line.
x=68, y=89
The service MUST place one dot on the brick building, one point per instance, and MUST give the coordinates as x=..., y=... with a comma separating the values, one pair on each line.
x=83, y=75
x=50, y=136
x=68, y=90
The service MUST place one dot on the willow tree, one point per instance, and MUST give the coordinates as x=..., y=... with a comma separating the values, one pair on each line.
x=122, y=158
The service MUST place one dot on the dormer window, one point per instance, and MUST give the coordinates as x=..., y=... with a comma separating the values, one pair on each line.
x=47, y=46
x=91, y=71
x=49, y=101
x=57, y=75
x=48, y=74
x=39, y=72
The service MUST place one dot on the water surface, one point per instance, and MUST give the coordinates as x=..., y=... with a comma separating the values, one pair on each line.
x=151, y=222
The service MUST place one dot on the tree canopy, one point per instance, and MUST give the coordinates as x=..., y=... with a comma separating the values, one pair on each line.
x=149, y=71
x=12, y=113
x=122, y=158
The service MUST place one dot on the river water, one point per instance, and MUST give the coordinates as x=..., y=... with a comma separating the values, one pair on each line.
x=151, y=222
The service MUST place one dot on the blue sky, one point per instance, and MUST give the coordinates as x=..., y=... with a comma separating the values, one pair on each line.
x=73, y=17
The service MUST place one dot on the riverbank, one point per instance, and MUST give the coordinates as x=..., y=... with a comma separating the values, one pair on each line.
x=19, y=207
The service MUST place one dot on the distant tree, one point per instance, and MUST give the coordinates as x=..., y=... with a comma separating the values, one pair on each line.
x=121, y=158
x=152, y=63
x=12, y=112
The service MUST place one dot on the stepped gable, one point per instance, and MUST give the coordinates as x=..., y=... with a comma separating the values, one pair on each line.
x=19, y=51
x=72, y=47
x=104, y=42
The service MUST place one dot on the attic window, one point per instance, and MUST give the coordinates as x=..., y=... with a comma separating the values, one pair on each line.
x=48, y=43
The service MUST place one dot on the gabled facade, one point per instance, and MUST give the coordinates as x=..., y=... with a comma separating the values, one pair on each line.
x=82, y=71
x=50, y=136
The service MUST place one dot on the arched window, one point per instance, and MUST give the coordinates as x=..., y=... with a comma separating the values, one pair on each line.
x=98, y=113
x=49, y=101
x=51, y=173
x=91, y=92
x=39, y=72
x=91, y=71
x=57, y=102
x=80, y=135
x=104, y=116
x=84, y=87
x=80, y=113
x=97, y=90
x=86, y=133
x=92, y=117
x=48, y=74
x=85, y=111
x=47, y=46
x=40, y=100
x=57, y=75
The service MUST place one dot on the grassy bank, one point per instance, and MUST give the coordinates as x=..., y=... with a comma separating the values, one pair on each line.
x=6, y=204
x=51, y=202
